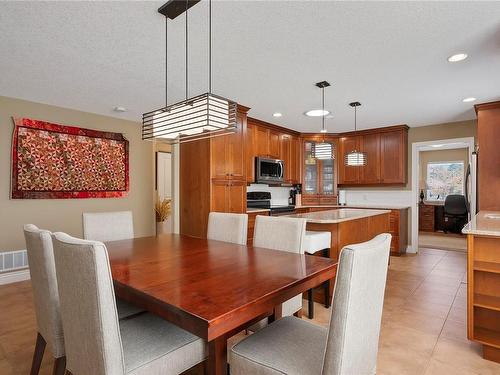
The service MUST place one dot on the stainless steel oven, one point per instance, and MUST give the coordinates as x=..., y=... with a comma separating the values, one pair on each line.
x=269, y=171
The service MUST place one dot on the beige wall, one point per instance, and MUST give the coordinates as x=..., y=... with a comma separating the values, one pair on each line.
x=459, y=154
x=66, y=214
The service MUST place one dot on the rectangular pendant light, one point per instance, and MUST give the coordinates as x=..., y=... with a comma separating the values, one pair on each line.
x=323, y=151
x=200, y=117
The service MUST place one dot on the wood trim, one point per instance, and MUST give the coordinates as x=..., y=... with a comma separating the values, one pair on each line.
x=274, y=127
x=376, y=130
x=470, y=286
x=485, y=106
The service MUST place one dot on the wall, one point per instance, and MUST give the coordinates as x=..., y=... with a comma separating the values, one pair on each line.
x=66, y=214
x=459, y=154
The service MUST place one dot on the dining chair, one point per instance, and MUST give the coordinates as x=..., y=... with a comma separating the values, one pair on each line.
x=227, y=227
x=348, y=346
x=96, y=341
x=284, y=234
x=108, y=226
x=46, y=298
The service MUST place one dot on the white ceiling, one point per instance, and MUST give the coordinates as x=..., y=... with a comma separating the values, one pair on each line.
x=390, y=56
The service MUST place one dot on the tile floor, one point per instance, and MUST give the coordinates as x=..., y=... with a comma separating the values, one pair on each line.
x=423, y=324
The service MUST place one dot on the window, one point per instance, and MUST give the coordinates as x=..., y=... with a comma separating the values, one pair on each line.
x=444, y=178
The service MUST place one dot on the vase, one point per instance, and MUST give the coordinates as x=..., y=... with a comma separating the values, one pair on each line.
x=162, y=227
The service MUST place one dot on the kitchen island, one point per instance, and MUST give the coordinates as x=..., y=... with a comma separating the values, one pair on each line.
x=483, y=282
x=347, y=226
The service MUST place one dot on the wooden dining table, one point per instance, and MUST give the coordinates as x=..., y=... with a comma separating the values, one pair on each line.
x=210, y=288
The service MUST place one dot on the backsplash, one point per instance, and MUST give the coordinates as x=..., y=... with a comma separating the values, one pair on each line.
x=402, y=197
x=279, y=195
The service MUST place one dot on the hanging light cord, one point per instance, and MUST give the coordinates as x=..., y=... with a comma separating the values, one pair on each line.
x=210, y=46
x=323, y=108
x=166, y=61
x=187, y=7
x=355, y=118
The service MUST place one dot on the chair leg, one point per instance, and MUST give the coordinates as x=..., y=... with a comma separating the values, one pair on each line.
x=310, y=300
x=326, y=288
x=38, y=354
x=59, y=366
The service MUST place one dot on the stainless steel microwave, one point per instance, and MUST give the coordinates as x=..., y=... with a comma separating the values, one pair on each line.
x=269, y=171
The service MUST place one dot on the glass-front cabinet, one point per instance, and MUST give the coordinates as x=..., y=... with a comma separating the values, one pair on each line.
x=320, y=175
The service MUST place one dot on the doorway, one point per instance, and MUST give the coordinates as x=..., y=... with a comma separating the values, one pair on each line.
x=163, y=182
x=440, y=168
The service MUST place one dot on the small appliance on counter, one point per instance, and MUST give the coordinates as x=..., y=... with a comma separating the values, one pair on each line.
x=294, y=194
x=262, y=199
x=342, y=199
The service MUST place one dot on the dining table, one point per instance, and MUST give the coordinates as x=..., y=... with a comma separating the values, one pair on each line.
x=210, y=288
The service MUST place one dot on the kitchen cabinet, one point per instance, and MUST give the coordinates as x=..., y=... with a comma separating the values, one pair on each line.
x=386, y=154
x=212, y=177
x=251, y=225
x=320, y=176
x=290, y=153
x=425, y=217
x=266, y=141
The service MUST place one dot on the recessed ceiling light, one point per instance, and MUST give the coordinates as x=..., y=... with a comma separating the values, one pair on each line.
x=277, y=114
x=120, y=109
x=457, y=57
x=317, y=113
x=468, y=100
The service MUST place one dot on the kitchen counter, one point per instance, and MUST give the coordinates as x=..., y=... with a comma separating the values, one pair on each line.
x=364, y=205
x=485, y=223
x=338, y=215
x=254, y=210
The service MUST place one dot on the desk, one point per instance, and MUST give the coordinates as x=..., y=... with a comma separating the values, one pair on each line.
x=212, y=289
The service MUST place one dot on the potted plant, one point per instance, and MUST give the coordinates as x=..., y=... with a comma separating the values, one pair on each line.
x=162, y=212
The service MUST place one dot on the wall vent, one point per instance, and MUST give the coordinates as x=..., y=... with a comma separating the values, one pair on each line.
x=13, y=260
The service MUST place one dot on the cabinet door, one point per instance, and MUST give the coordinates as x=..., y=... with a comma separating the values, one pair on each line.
x=250, y=153
x=285, y=153
x=274, y=144
x=348, y=175
x=261, y=141
x=219, y=201
x=393, y=151
x=236, y=197
x=235, y=161
x=295, y=160
x=218, y=163
x=327, y=177
x=370, y=173
x=310, y=186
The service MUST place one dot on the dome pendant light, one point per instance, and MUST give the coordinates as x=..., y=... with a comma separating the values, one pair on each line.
x=355, y=158
x=323, y=150
x=199, y=117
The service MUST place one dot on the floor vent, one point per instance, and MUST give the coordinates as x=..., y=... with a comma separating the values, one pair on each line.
x=13, y=260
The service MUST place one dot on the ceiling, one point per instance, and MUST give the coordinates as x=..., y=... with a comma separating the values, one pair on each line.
x=390, y=56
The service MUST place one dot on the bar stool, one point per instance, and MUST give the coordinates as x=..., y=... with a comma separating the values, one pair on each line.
x=313, y=243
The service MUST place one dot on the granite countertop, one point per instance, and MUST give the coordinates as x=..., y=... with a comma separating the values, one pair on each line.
x=338, y=215
x=253, y=210
x=363, y=205
x=485, y=223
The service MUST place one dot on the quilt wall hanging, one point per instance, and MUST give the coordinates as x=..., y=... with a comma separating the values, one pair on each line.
x=51, y=161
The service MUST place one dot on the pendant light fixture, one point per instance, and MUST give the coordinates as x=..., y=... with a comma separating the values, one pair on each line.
x=323, y=150
x=355, y=158
x=199, y=117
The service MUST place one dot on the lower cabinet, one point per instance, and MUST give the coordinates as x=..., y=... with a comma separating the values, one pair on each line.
x=399, y=231
x=426, y=217
x=228, y=196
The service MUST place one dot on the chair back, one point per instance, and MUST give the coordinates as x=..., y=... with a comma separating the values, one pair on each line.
x=44, y=286
x=280, y=233
x=228, y=227
x=352, y=343
x=108, y=226
x=455, y=204
x=88, y=307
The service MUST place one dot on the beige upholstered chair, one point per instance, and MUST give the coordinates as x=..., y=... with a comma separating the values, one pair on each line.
x=46, y=298
x=284, y=234
x=108, y=226
x=349, y=346
x=228, y=227
x=96, y=341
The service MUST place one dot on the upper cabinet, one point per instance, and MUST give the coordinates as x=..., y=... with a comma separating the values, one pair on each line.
x=386, y=154
x=265, y=140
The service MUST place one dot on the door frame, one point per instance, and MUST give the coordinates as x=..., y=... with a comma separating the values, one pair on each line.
x=444, y=144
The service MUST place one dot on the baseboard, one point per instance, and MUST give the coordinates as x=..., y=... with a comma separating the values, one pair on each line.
x=14, y=276
x=411, y=249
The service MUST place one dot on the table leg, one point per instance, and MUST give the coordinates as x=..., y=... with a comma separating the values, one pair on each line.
x=217, y=356
x=277, y=314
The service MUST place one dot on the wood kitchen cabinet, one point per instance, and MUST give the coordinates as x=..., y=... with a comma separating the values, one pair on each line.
x=319, y=176
x=386, y=154
x=290, y=154
x=213, y=177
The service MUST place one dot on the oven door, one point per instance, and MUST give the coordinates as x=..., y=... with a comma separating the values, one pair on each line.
x=269, y=170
